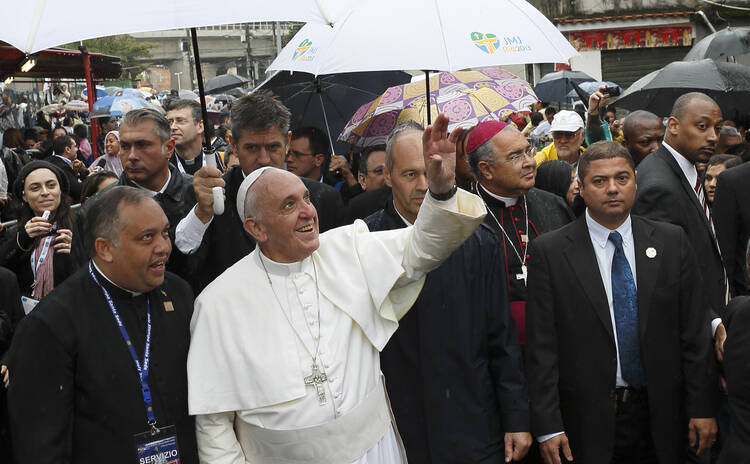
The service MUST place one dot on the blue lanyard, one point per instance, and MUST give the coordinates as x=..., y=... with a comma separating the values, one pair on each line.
x=142, y=368
x=36, y=263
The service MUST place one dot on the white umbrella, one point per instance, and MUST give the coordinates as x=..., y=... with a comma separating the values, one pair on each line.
x=37, y=24
x=76, y=105
x=443, y=35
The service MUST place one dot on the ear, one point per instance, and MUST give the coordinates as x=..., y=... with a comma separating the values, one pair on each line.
x=200, y=127
x=168, y=147
x=318, y=160
x=232, y=143
x=673, y=125
x=362, y=181
x=256, y=229
x=103, y=249
x=484, y=170
x=288, y=141
x=387, y=174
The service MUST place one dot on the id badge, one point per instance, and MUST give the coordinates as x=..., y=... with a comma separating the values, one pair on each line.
x=157, y=448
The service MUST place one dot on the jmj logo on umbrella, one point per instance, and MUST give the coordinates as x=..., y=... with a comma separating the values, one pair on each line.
x=488, y=43
x=303, y=48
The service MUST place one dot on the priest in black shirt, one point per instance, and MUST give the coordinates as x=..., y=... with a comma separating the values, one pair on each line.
x=503, y=162
x=83, y=358
x=186, y=124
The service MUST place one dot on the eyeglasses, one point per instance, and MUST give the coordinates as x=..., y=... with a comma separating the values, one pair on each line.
x=516, y=158
x=564, y=135
x=299, y=154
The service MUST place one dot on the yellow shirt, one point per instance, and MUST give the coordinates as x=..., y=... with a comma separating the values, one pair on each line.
x=548, y=153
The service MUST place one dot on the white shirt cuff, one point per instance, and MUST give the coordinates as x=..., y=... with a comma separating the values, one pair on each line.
x=544, y=438
x=714, y=324
x=189, y=233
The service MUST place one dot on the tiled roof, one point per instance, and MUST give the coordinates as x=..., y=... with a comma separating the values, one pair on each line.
x=626, y=17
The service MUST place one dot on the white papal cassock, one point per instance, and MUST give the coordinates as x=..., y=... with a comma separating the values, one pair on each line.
x=247, y=364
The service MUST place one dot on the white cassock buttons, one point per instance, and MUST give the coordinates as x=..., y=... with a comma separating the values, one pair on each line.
x=651, y=252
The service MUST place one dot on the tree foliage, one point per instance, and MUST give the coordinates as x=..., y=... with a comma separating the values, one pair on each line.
x=125, y=46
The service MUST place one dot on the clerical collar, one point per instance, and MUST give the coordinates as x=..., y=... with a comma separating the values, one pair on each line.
x=110, y=281
x=508, y=201
x=280, y=269
x=402, y=218
x=151, y=192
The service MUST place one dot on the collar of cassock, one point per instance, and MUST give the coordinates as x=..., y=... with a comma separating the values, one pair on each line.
x=507, y=201
x=283, y=269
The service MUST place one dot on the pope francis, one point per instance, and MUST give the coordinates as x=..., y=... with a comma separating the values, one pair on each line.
x=284, y=359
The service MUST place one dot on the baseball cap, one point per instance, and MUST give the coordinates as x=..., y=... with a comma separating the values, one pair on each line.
x=566, y=121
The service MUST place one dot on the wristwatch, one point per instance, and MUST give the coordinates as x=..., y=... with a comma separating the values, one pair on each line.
x=445, y=196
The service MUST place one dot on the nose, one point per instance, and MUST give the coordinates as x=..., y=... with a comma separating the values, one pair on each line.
x=308, y=210
x=163, y=245
x=172, y=124
x=422, y=184
x=612, y=186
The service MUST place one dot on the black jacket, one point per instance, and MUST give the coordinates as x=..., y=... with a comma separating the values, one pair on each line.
x=226, y=242
x=731, y=215
x=176, y=201
x=571, y=358
x=453, y=369
x=369, y=202
x=74, y=180
x=75, y=394
x=19, y=261
x=664, y=194
x=736, y=449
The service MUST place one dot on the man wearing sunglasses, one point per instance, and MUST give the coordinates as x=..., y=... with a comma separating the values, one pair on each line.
x=567, y=137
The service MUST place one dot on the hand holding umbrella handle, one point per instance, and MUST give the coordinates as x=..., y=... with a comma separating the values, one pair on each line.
x=217, y=192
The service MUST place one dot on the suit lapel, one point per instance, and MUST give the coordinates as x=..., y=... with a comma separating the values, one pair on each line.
x=689, y=189
x=648, y=258
x=580, y=255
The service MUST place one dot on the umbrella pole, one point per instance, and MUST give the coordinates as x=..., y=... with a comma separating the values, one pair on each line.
x=201, y=91
x=325, y=118
x=91, y=89
x=427, y=94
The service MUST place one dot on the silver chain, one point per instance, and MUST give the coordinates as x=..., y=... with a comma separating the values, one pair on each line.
x=505, y=234
x=316, y=340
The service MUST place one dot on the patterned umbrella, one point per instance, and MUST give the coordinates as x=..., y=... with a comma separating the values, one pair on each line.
x=466, y=97
x=118, y=106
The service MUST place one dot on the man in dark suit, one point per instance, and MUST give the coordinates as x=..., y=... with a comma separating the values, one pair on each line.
x=260, y=137
x=65, y=157
x=731, y=212
x=619, y=358
x=670, y=189
x=459, y=337
x=102, y=359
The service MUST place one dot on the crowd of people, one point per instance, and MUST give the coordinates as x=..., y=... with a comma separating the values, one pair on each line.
x=558, y=286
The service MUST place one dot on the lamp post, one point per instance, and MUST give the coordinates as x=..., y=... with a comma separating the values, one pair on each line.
x=178, y=74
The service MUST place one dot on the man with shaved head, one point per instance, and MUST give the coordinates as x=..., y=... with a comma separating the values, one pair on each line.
x=670, y=189
x=643, y=132
x=284, y=356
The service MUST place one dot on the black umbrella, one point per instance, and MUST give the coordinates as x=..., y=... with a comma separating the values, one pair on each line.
x=328, y=101
x=727, y=83
x=726, y=42
x=223, y=83
x=556, y=86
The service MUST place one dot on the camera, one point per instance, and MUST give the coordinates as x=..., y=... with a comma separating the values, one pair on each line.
x=610, y=92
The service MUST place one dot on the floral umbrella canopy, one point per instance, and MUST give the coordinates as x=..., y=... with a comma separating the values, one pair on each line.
x=466, y=97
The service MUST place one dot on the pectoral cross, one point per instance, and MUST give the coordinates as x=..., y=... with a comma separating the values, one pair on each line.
x=522, y=275
x=317, y=379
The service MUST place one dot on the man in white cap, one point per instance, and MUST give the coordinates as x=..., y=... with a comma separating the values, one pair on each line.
x=567, y=137
x=284, y=357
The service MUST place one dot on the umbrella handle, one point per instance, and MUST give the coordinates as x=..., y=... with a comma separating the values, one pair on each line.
x=217, y=192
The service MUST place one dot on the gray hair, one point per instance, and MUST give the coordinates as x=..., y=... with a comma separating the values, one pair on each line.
x=729, y=131
x=259, y=112
x=161, y=125
x=484, y=152
x=404, y=127
x=103, y=216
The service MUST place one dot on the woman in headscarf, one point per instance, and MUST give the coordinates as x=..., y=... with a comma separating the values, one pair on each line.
x=559, y=178
x=39, y=252
x=110, y=161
